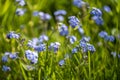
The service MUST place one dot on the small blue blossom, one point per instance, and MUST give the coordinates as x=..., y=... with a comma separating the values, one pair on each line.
x=43, y=38
x=44, y=16
x=60, y=12
x=61, y=62
x=32, y=56
x=20, y=11
x=118, y=55
x=5, y=58
x=103, y=34
x=59, y=18
x=32, y=43
x=98, y=20
x=107, y=8
x=85, y=39
x=21, y=2
x=80, y=29
x=35, y=13
x=40, y=47
x=12, y=34
x=91, y=48
x=96, y=12
x=75, y=50
x=73, y=21
x=63, y=30
x=78, y=3
x=111, y=38
x=72, y=39
x=6, y=68
x=54, y=46
x=13, y=55
x=114, y=54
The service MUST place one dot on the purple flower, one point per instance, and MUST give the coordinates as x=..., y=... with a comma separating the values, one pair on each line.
x=73, y=21
x=75, y=50
x=6, y=68
x=21, y=3
x=32, y=43
x=111, y=38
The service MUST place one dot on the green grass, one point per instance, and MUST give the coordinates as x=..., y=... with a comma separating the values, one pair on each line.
x=100, y=65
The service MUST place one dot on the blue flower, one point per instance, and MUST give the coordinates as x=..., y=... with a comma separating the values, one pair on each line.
x=32, y=56
x=60, y=12
x=107, y=8
x=40, y=47
x=98, y=20
x=63, y=30
x=96, y=12
x=80, y=29
x=12, y=34
x=13, y=55
x=85, y=39
x=103, y=34
x=44, y=16
x=114, y=54
x=6, y=68
x=5, y=58
x=43, y=38
x=35, y=13
x=75, y=50
x=54, y=46
x=59, y=18
x=72, y=39
x=21, y=3
x=73, y=21
x=78, y=3
x=32, y=43
x=20, y=11
x=61, y=62
x=91, y=48
x=111, y=38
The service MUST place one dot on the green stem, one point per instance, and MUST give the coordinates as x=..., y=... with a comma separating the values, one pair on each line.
x=23, y=73
x=89, y=65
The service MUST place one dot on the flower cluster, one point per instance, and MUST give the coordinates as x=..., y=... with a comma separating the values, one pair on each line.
x=63, y=29
x=73, y=21
x=32, y=56
x=12, y=34
x=97, y=16
x=6, y=68
x=21, y=2
x=59, y=15
x=85, y=46
x=54, y=46
x=9, y=55
x=79, y=3
x=44, y=16
x=106, y=37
